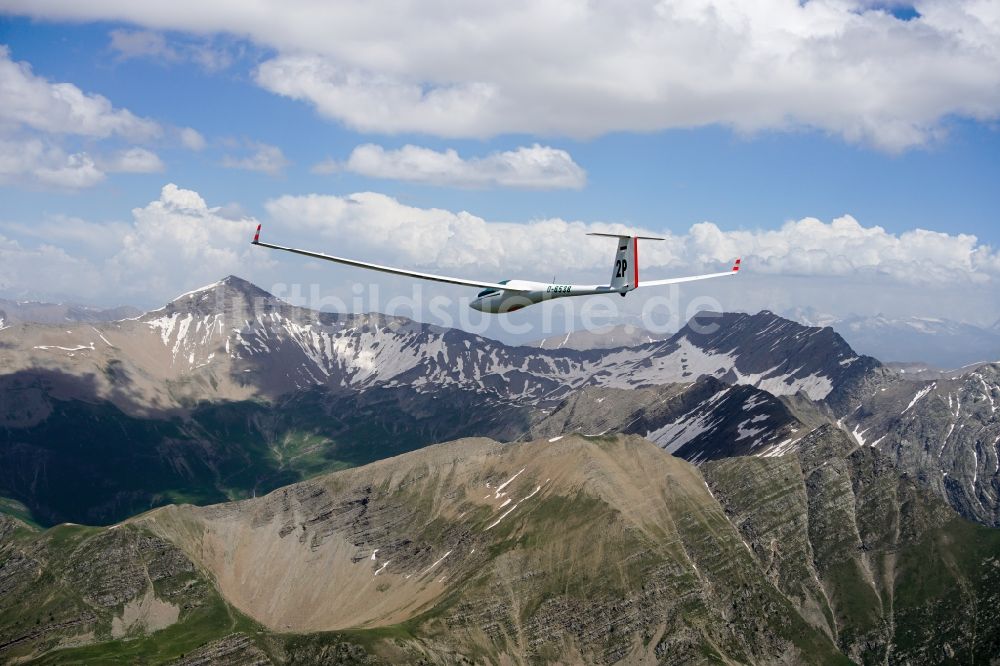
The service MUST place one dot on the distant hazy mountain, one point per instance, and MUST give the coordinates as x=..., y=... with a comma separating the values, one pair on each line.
x=941, y=343
x=924, y=371
x=623, y=335
x=57, y=313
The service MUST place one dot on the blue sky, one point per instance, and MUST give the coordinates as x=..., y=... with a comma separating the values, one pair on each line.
x=756, y=163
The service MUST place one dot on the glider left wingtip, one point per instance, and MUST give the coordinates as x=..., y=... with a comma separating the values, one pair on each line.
x=256, y=237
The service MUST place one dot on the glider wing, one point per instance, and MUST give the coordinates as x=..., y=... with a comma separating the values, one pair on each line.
x=386, y=269
x=691, y=278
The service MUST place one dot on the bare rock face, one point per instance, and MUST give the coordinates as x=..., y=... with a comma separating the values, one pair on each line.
x=610, y=337
x=228, y=391
x=945, y=432
x=704, y=420
x=232, y=650
x=785, y=358
x=73, y=586
x=861, y=551
x=814, y=529
x=534, y=550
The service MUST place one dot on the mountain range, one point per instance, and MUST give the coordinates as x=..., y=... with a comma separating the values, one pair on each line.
x=58, y=313
x=764, y=493
x=227, y=391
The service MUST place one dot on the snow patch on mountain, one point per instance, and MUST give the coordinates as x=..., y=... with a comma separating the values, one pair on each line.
x=199, y=290
x=673, y=436
x=920, y=394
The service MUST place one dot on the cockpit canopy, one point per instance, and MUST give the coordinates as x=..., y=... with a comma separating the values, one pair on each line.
x=487, y=292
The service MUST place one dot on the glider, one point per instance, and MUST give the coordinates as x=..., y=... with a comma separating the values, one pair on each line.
x=511, y=295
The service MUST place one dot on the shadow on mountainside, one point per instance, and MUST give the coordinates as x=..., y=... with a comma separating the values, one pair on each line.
x=71, y=455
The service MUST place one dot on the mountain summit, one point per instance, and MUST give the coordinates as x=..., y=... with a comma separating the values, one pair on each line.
x=230, y=295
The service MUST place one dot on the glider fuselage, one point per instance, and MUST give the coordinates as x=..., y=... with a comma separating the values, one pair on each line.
x=496, y=301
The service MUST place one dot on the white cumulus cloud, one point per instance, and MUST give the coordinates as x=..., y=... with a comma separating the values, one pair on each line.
x=75, y=171
x=531, y=167
x=62, y=108
x=44, y=125
x=478, y=69
x=170, y=245
x=32, y=161
x=373, y=102
x=178, y=241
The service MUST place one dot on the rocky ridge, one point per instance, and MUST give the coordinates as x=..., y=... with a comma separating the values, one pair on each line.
x=596, y=550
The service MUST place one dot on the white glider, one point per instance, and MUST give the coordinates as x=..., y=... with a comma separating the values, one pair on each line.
x=510, y=295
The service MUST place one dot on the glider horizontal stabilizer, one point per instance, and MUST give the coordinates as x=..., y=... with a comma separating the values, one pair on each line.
x=597, y=233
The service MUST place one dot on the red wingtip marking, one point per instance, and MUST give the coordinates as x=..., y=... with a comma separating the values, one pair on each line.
x=736, y=266
x=256, y=236
x=635, y=262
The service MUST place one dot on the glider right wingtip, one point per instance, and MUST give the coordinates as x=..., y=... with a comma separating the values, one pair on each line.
x=256, y=237
x=736, y=266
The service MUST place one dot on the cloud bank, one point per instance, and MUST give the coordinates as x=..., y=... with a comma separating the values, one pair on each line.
x=178, y=242
x=546, y=67
x=171, y=243
x=443, y=239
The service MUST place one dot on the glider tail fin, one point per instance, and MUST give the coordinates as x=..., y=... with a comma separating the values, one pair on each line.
x=625, y=273
x=626, y=269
